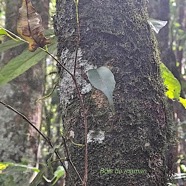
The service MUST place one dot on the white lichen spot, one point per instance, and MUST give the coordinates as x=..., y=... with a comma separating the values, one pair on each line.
x=67, y=86
x=6, y=91
x=95, y=136
x=86, y=88
x=147, y=144
x=71, y=134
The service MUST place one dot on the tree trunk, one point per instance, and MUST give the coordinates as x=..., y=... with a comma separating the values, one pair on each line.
x=114, y=34
x=160, y=10
x=19, y=142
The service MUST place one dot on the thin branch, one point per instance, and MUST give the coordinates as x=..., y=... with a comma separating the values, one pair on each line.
x=86, y=147
x=53, y=57
x=78, y=37
x=45, y=138
x=72, y=76
x=82, y=105
x=81, y=98
x=76, y=56
x=69, y=158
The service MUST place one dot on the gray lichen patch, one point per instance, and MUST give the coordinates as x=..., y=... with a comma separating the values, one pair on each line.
x=67, y=85
x=95, y=136
x=6, y=91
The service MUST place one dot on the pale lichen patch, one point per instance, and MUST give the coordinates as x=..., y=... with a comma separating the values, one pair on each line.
x=67, y=85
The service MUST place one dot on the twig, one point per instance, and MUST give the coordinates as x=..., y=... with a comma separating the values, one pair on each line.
x=69, y=159
x=84, y=115
x=81, y=98
x=78, y=33
x=78, y=93
x=45, y=138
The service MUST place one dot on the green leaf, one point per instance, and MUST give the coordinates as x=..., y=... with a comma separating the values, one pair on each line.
x=156, y=25
x=183, y=102
x=183, y=168
x=60, y=172
x=38, y=178
x=9, y=44
x=34, y=169
x=16, y=40
x=22, y=63
x=171, y=83
x=103, y=79
x=7, y=180
x=3, y=31
x=3, y=165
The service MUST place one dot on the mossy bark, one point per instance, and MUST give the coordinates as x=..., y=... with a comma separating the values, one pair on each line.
x=115, y=34
x=160, y=10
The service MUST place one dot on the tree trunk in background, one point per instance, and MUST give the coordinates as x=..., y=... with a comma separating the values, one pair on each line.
x=115, y=34
x=19, y=142
x=180, y=115
x=160, y=10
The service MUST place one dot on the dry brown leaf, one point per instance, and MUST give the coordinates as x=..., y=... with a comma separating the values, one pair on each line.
x=29, y=26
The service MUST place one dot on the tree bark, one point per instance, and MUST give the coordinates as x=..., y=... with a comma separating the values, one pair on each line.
x=114, y=34
x=160, y=10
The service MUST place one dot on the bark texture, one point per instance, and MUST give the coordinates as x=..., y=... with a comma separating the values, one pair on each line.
x=19, y=142
x=114, y=34
x=160, y=10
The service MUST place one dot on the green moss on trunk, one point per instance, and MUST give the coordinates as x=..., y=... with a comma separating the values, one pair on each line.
x=116, y=34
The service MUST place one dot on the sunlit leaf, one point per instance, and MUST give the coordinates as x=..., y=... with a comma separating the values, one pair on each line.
x=183, y=102
x=22, y=63
x=60, y=172
x=171, y=83
x=3, y=31
x=183, y=168
x=3, y=165
x=34, y=169
x=156, y=25
x=103, y=79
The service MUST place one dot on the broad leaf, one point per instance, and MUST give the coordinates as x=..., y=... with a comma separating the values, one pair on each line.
x=156, y=25
x=103, y=79
x=171, y=83
x=22, y=63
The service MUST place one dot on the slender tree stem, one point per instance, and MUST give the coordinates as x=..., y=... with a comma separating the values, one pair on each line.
x=69, y=158
x=81, y=98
